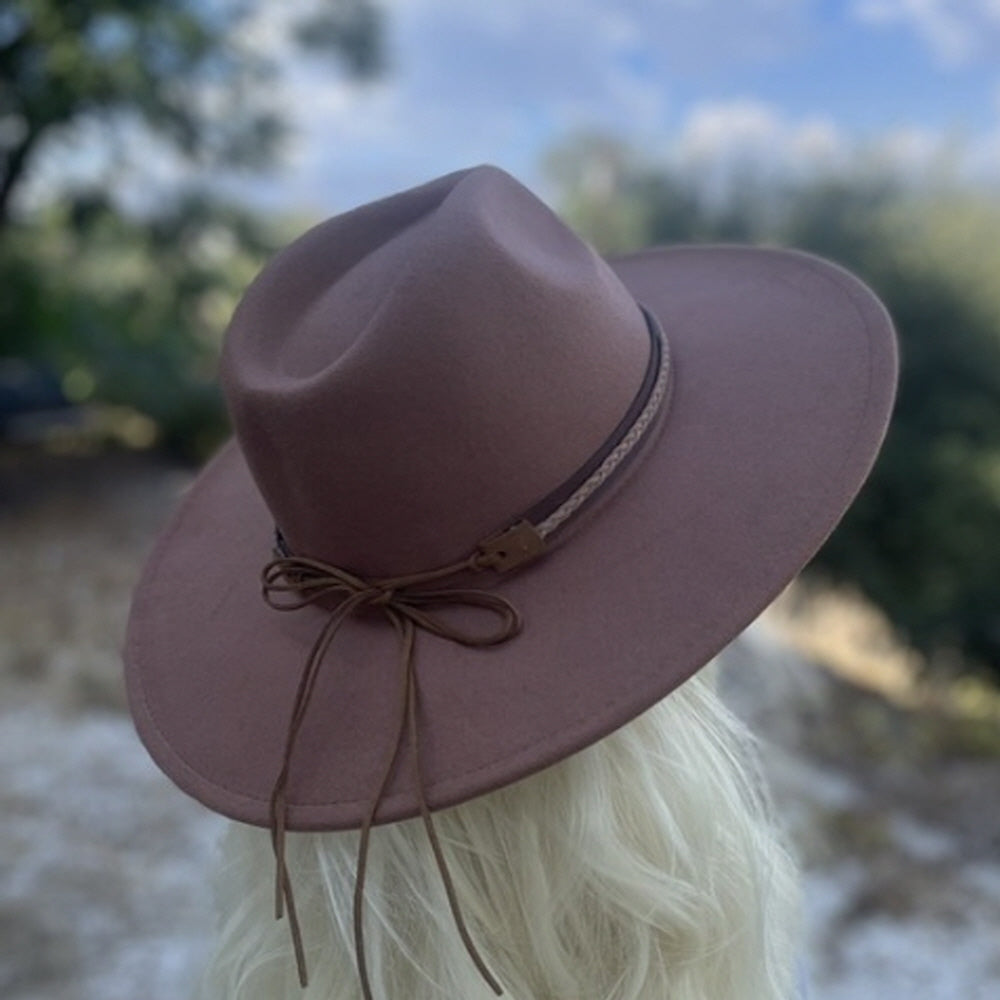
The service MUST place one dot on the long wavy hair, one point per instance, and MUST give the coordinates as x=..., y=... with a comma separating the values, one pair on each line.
x=646, y=867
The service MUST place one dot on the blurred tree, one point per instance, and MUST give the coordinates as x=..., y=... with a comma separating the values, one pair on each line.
x=130, y=312
x=923, y=538
x=181, y=68
x=621, y=203
x=592, y=172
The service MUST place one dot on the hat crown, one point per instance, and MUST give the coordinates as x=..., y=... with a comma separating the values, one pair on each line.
x=409, y=377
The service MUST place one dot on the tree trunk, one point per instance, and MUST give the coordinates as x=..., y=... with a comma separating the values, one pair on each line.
x=13, y=171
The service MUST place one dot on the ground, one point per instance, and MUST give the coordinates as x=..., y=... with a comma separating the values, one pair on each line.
x=889, y=794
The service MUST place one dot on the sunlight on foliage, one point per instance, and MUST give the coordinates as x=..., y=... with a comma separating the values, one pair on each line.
x=131, y=313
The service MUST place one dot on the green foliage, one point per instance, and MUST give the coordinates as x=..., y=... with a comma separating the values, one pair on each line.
x=131, y=313
x=353, y=28
x=185, y=69
x=923, y=538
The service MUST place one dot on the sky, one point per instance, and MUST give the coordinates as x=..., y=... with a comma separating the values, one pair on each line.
x=786, y=86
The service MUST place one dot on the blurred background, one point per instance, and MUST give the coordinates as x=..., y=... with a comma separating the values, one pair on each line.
x=153, y=153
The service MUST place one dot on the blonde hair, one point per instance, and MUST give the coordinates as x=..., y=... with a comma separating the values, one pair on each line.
x=646, y=867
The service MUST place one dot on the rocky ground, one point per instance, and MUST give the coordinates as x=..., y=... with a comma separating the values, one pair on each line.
x=890, y=798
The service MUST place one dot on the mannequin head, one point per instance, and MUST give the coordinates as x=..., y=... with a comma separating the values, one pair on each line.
x=645, y=867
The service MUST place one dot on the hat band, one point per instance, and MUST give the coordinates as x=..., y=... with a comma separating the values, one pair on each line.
x=526, y=538
x=290, y=582
x=562, y=503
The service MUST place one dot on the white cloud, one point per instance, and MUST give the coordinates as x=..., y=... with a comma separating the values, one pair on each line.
x=722, y=142
x=958, y=32
x=748, y=134
x=909, y=148
x=501, y=81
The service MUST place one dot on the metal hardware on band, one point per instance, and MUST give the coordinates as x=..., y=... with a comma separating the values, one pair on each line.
x=519, y=544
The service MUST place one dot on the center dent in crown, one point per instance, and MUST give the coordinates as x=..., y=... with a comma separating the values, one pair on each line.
x=482, y=355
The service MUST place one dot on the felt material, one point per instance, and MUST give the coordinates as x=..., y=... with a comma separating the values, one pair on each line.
x=412, y=376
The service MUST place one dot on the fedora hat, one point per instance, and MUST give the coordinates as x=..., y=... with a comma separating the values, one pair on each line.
x=490, y=496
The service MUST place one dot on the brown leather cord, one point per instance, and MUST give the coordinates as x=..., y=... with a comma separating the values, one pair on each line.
x=292, y=582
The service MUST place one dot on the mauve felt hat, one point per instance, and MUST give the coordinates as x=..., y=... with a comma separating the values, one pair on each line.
x=415, y=376
x=535, y=488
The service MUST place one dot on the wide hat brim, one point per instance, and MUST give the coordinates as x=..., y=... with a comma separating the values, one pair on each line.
x=784, y=372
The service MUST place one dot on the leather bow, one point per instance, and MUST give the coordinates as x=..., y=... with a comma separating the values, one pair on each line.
x=290, y=582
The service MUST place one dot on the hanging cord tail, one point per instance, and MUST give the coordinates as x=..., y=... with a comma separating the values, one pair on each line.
x=360, y=954
x=449, y=887
x=284, y=898
x=283, y=889
x=407, y=715
x=290, y=583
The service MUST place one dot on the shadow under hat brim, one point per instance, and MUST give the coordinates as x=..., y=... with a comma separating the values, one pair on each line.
x=783, y=380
